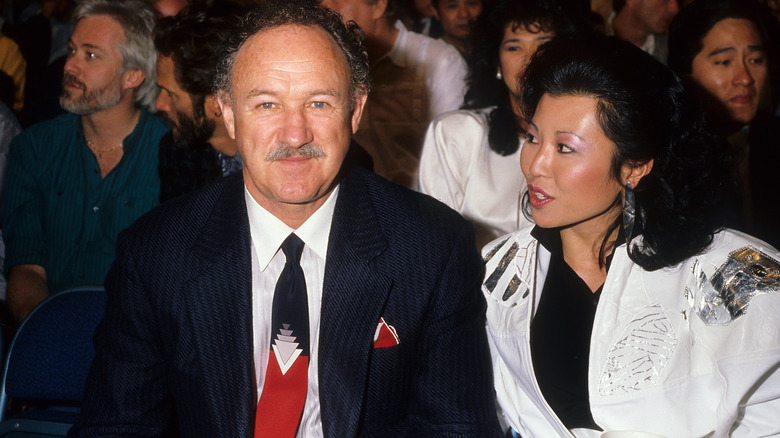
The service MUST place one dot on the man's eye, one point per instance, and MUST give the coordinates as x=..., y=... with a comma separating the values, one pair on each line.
x=266, y=105
x=91, y=55
x=319, y=105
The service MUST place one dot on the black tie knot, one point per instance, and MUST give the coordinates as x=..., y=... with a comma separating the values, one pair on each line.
x=292, y=248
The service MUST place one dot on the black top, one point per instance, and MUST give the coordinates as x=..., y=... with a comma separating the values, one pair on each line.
x=560, y=336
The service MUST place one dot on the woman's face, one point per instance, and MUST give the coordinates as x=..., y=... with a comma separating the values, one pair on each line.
x=566, y=161
x=517, y=47
x=732, y=67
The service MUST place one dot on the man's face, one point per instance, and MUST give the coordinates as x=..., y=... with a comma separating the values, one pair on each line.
x=92, y=79
x=290, y=115
x=176, y=107
x=457, y=16
x=360, y=11
x=656, y=15
x=732, y=67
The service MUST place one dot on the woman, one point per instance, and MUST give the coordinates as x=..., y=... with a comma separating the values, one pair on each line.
x=470, y=157
x=730, y=50
x=628, y=307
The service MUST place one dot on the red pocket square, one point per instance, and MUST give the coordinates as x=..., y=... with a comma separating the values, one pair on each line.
x=385, y=335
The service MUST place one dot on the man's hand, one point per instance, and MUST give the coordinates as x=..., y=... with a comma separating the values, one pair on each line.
x=27, y=287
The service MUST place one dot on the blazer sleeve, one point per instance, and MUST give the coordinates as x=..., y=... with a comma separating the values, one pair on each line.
x=454, y=389
x=125, y=393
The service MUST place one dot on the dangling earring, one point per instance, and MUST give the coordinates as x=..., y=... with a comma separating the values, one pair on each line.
x=629, y=212
x=498, y=75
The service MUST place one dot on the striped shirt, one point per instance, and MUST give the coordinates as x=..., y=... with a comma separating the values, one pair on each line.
x=60, y=214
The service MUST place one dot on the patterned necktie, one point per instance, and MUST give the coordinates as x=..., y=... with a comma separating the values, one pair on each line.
x=284, y=390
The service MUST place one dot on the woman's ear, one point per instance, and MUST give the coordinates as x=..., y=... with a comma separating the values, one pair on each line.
x=634, y=174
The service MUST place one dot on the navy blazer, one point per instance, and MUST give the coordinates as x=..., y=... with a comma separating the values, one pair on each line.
x=175, y=348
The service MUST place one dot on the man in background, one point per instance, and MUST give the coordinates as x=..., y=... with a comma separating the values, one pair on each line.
x=415, y=78
x=644, y=23
x=75, y=181
x=198, y=149
x=457, y=17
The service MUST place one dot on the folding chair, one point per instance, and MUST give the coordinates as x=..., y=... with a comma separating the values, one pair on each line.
x=48, y=362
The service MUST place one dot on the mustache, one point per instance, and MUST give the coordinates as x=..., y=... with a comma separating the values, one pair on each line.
x=282, y=151
x=69, y=79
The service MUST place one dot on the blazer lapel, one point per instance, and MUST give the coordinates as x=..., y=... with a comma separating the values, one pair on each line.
x=354, y=294
x=221, y=306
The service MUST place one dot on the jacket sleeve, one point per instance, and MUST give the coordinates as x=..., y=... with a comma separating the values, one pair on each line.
x=454, y=389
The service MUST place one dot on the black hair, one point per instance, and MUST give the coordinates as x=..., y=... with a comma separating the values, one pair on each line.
x=691, y=25
x=484, y=89
x=694, y=22
x=192, y=40
x=649, y=114
x=274, y=13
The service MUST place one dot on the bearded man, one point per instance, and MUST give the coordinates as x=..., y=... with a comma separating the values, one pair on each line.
x=198, y=150
x=74, y=182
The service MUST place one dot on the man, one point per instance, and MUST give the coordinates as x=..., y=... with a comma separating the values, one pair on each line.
x=75, y=181
x=643, y=23
x=199, y=149
x=457, y=17
x=728, y=49
x=394, y=339
x=415, y=79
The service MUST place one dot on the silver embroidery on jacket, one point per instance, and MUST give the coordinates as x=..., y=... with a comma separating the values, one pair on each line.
x=638, y=357
x=746, y=273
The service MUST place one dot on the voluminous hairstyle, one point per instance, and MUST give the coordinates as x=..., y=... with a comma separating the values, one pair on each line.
x=137, y=21
x=192, y=40
x=484, y=88
x=649, y=114
x=274, y=13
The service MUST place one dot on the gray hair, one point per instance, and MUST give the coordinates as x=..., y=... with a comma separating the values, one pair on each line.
x=137, y=21
x=274, y=13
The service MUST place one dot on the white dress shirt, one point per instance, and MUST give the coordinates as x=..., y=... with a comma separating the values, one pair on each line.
x=268, y=233
x=458, y=168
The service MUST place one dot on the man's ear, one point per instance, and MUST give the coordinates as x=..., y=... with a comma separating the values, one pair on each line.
x=357, y=112
x=132, y=78
x=227, y=113
x=211, y=107
x=380, y=7
x=634, y=174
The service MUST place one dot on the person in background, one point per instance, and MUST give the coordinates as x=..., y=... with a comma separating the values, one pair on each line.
x=415, y=79
x=730, y=49
x=643, y=23
x=300, y=297
x=628, y=307
x=13, y=64
x=470, y=157
x=9, y=128
x=75, y=181
x=198, y=149
x=457, y=17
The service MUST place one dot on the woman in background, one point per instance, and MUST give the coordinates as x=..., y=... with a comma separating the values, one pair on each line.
x=628, y=306
x=470, y=157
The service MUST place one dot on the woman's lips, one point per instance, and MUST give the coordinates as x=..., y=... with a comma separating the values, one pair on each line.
x=538, y=197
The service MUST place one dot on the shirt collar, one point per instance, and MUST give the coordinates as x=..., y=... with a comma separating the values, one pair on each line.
x=396, y=54
x=268, y=232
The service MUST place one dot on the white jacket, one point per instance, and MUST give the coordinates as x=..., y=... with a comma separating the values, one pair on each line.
x=688, y=351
